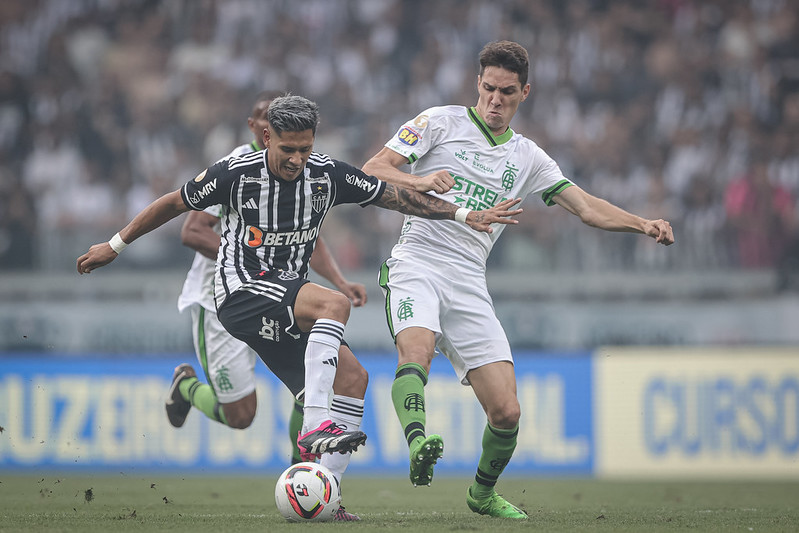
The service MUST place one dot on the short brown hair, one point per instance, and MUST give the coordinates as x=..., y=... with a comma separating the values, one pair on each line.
x=508, y=55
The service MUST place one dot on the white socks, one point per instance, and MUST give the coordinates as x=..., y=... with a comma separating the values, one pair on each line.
x=321, y=362
x=347, y=412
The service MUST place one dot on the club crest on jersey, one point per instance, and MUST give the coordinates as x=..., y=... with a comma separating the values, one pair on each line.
x=288, y=275
x=509, y=175
x=319, y=197
x=408, y=136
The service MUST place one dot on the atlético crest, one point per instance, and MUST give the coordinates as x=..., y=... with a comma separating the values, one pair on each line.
x=287, y=275
x=319, y=196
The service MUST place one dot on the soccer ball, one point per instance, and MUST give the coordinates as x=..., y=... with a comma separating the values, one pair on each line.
x=307, y=492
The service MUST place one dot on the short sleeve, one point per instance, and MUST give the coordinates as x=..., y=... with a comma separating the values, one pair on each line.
x=354, y=186
x=415, y=138
x=548, y=179
x=209, y=188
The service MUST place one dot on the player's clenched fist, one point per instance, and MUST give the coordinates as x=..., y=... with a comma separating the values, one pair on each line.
x=98, y=255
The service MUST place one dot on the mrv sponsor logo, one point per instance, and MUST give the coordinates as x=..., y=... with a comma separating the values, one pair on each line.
x=361, y=183
x=207, y=189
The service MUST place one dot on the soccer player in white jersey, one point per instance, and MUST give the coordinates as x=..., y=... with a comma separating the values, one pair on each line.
x=434, y=281
x=275, y=202
x=228, y=363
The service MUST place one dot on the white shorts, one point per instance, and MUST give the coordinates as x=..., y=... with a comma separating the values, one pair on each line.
x=228, y=363
x=459, y=311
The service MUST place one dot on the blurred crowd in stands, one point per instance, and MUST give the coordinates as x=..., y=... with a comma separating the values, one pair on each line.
x=682, y=109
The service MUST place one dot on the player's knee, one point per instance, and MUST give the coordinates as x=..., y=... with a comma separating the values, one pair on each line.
x=361, y=381
x=505, y=416
x=336, y=306
x=413, y=353
x=416, y=345
x=239, y=417
x=239, y=421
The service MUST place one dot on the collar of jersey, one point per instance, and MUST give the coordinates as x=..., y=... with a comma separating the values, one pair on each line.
x=493, y=140
x=266, y=173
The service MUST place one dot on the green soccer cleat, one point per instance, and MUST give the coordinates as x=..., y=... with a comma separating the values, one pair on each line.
x=423, y=457
x=495, y=505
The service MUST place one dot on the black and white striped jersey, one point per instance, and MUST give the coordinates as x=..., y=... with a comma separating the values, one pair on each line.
x=268, y=223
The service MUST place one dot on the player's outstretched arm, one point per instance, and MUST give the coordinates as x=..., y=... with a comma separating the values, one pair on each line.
x=151, y=217
x=422, y=205
x=602, y=214
x=324, y=264
x=385, y=165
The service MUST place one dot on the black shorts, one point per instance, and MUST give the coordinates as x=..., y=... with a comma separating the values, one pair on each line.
x=267, y=325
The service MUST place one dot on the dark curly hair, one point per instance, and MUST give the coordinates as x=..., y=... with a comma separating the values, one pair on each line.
x=508, y=55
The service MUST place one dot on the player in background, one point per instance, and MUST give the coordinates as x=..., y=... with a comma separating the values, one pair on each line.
x=228, y=363
x=275, y=202
x=434, y=280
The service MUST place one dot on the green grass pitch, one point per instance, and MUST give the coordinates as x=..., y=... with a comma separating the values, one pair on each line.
x=128, y=502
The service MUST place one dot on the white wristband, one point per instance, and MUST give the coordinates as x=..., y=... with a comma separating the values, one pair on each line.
x=117, y=244
x=461, y=214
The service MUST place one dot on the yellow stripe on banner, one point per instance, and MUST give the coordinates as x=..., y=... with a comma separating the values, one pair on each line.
x=697, y=413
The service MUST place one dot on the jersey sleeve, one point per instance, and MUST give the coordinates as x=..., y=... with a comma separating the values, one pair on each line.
x=211, y=187
x=549, y=179
x=415, y=137
x=354, y=186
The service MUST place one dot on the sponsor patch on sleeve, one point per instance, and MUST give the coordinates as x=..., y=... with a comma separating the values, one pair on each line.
x=408, y=136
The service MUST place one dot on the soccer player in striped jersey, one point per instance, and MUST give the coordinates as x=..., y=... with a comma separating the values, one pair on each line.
x=274, y=203
x=229, y=397
x=434, y=281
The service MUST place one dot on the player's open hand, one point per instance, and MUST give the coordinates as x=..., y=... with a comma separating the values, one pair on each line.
x=500, y=213
x=660, y=230
x=98, y=255
x=439, y=182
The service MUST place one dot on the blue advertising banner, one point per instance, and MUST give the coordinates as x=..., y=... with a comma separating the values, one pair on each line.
x=104, y=414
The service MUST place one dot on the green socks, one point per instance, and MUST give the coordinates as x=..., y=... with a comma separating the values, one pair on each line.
x=498, y=447
x=295, y=426
x=202, y=397
x=407, y=393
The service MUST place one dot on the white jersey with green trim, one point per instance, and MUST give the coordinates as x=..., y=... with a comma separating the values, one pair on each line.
x=199, y=285
x=487, y=169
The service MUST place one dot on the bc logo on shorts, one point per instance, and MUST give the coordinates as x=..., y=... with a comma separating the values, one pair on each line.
x=407, y=136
